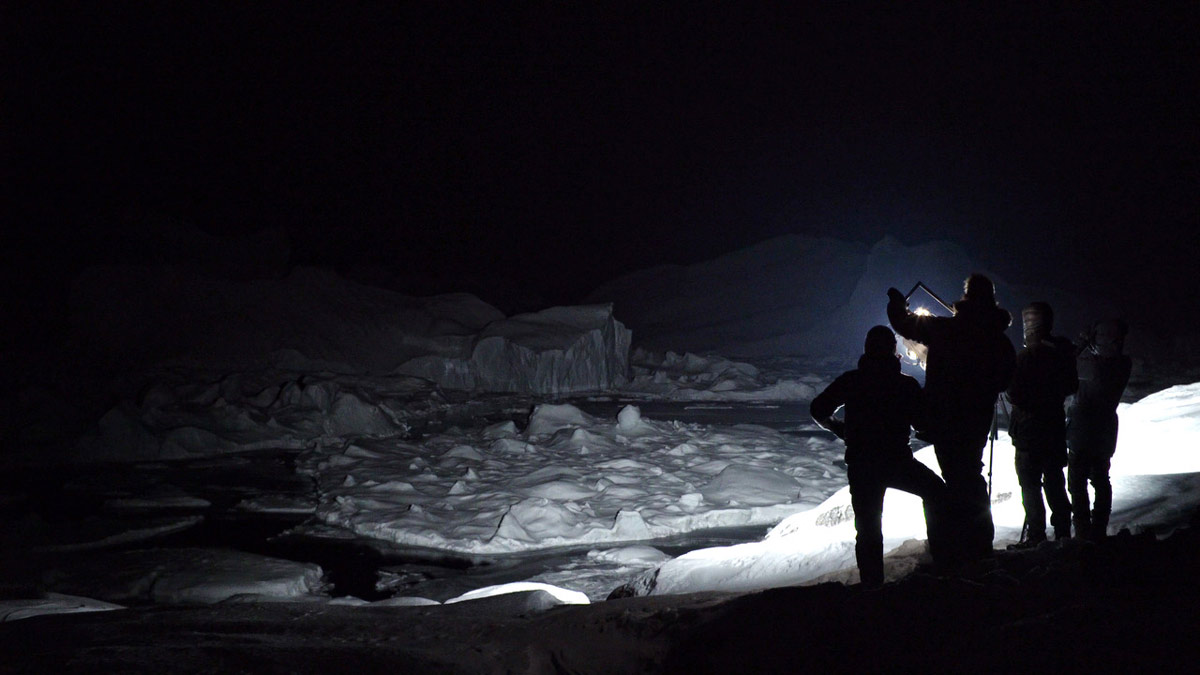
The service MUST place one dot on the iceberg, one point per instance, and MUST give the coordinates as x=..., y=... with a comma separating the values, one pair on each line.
x=555, y=351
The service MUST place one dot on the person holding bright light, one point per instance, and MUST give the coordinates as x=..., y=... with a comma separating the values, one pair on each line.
x=881, y=405
x=969, y=362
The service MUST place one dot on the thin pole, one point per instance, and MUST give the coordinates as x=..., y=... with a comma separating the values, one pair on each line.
x=996, y=407
x=992, y=443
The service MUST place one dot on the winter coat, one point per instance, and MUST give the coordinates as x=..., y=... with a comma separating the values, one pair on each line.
x=881, y=405
x=1044, y=377
x=1093, y=425
x=970, y=361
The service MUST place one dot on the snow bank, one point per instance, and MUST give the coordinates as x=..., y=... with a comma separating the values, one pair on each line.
x=569, y=479
x=560, y=596
x=802, y=548
x=1160, y=434
x=315, y=321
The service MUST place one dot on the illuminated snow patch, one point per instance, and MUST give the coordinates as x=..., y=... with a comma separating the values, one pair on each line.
x=561, y=595
x=1160, y=434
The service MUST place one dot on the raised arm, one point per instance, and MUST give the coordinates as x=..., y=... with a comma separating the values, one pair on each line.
x=904, y=322
x=1068, y=375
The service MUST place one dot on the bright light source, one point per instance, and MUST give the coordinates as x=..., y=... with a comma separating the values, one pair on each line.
x=915, y=352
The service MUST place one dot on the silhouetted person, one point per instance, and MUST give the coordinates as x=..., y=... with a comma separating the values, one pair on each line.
x=1044, y=378
x=881, y=405
x=970, y=361
x=1092, y=432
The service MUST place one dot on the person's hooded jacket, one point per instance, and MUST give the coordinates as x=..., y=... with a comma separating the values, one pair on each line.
x=1045, y=377
x=970, y=362
x=881, y=404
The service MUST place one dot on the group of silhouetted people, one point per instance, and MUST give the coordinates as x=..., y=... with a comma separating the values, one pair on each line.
x=969, y=363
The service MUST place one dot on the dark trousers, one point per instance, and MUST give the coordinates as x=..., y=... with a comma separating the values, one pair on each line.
x=1039, y=471
x=868, y=482
x=1081, y=468
x=966, y=529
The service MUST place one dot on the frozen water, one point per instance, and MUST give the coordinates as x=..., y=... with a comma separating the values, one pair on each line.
x=569, y=479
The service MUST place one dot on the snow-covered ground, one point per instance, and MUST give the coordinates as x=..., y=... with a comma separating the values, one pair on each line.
x=610, y=488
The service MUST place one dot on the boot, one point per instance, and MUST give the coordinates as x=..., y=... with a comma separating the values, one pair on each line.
x=1099, y=526
x=1031, y=540
x=1083, y=528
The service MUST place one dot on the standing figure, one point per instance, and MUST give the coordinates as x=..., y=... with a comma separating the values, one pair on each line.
x=1092, y=432
x=1044, y=378
x=881, y=405
x=970, y=361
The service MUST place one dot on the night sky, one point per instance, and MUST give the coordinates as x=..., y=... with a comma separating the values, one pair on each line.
x=531, y=153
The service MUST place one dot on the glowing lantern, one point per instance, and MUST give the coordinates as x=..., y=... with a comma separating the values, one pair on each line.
x=915, y=351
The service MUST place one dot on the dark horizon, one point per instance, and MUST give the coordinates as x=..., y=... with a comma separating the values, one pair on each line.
x=537, y=153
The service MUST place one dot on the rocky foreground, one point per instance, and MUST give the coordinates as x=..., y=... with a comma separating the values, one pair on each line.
x=1128, y=604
